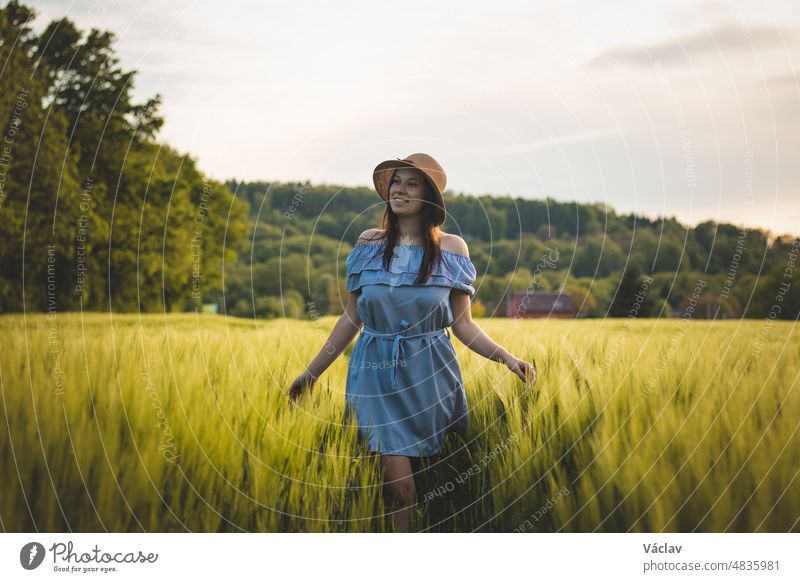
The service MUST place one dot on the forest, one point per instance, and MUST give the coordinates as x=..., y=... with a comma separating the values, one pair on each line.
x=96, y=213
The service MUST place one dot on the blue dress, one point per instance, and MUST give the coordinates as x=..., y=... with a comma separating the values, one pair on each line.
x=403, y=380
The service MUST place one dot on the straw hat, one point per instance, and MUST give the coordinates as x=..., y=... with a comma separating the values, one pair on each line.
x=384, y=172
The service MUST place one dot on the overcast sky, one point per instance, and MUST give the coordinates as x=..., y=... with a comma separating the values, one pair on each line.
x=689, y=109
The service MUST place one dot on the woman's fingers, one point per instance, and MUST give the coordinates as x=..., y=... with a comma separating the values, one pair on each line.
x=298, y=387
x=524, y=371
x=294, y=391
x=521, y=371
x=528, y=373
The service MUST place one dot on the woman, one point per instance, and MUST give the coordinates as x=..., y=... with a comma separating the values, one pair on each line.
x=408, y=282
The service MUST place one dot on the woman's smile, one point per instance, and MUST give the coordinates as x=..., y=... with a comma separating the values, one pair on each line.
x=406, y=189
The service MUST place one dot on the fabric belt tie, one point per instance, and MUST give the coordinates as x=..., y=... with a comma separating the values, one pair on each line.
x=397, y=343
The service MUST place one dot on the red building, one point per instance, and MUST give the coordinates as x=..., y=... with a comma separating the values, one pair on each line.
x=540, y=304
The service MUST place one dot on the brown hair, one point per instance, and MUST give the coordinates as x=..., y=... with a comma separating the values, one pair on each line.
x=431, y=235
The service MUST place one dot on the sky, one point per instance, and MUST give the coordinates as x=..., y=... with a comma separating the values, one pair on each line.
x=664, y=108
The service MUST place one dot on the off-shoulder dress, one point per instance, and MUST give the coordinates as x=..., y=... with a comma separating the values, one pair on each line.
x=404, y=383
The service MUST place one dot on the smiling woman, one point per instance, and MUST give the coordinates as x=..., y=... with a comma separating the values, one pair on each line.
x=409, y=282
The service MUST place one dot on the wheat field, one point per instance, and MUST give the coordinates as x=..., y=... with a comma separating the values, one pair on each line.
x=180, y=422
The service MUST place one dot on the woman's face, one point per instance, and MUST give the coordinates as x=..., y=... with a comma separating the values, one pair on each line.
x=407, y=191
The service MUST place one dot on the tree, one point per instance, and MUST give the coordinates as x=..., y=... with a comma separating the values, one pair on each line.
x=582, y=298
x=632, y=297
x=92, y=205
x=40, y=202
x=597, y=256
x=777, y=295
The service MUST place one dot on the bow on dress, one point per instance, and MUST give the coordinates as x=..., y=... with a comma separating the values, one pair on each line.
x=397, y=344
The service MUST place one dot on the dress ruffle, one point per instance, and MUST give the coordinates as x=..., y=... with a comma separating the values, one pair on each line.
x=364, y=266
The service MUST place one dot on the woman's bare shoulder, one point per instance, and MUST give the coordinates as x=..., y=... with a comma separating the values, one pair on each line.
x=454, y=244
x=370, y=235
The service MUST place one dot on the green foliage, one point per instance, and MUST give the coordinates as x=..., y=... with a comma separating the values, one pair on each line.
x=508, y=242
x=633, y=297
x=777, y=294
x=107, y=217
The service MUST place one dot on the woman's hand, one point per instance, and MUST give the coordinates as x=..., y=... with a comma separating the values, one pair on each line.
x=303, y=382
x=521, y=368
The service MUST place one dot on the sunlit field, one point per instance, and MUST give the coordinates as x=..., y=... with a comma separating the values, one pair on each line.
x=131, y=423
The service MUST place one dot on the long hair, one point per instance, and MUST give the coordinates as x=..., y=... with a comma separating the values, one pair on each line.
x=431, y=235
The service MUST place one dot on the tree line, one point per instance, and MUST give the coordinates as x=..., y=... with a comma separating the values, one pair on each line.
x=603, y=259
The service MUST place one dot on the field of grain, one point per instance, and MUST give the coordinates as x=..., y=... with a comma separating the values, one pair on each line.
x=131, y=423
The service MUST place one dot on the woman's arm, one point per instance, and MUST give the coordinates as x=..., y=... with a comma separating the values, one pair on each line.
x=470, y=333
x=342, y=334
x=473, y=336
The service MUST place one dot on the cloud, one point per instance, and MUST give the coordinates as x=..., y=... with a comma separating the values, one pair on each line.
x=555, y=141
x=728, y=40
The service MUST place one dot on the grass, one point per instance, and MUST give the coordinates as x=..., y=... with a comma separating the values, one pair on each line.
x=180, y=423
